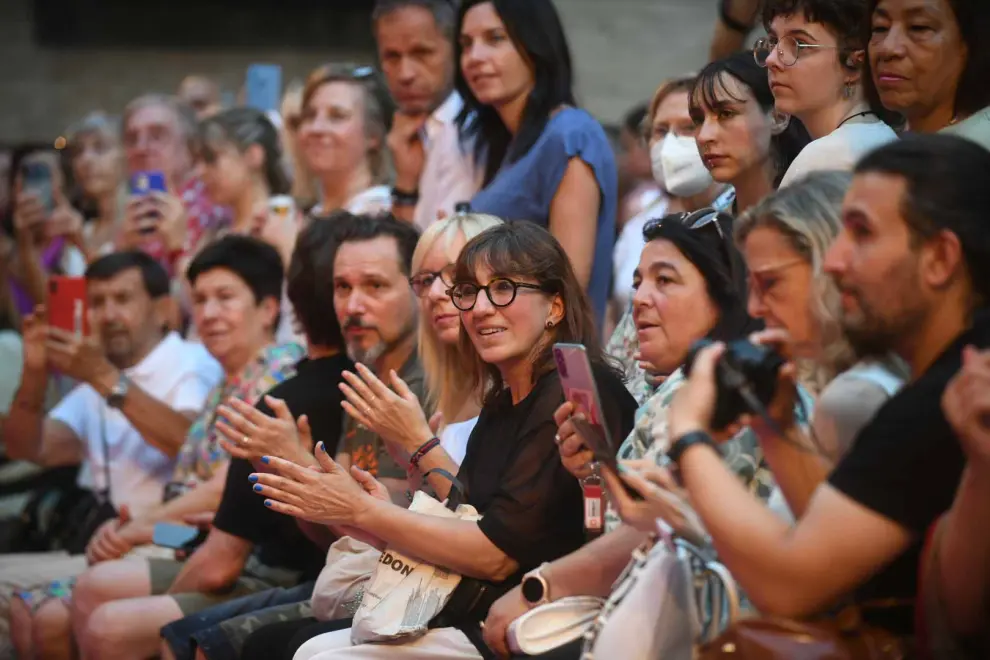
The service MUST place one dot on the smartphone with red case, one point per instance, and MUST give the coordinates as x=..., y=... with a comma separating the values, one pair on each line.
x=67, y=307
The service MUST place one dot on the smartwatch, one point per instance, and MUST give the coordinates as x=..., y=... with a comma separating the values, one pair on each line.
x=535, y=589
x=687, y=440
x=115, y=399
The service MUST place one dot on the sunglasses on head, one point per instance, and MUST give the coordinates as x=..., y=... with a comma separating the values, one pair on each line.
x=694, y=221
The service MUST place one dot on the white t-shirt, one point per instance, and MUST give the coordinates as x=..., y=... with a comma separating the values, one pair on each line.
x=176, y=372
x=454, y=438
x=374, y=200
x=11, y=365
x=839, y=150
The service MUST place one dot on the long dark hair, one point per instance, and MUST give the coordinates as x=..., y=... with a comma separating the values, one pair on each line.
x=710, y=89
x=524, y=249
x=243, y=127
x=972, y=91
x=537, y=33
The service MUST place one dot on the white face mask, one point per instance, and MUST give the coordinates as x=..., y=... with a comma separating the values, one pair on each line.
x=656, y=163
x=684, y=173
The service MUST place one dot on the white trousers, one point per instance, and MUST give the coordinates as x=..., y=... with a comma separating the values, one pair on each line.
x=442, y=643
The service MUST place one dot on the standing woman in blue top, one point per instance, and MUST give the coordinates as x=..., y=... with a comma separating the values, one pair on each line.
x=544, y=160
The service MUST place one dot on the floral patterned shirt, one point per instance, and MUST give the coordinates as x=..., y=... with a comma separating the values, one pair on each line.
x=201, y=456
x=650, y=439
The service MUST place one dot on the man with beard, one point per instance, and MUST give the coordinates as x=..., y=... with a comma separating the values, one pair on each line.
x=141, y=385
x=913, y=266
x=377, y=312
x=140, y=389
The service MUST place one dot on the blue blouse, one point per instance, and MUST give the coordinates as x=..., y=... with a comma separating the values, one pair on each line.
x=524, y=190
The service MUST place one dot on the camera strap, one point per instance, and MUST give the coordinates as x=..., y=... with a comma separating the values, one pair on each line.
x=103, y=494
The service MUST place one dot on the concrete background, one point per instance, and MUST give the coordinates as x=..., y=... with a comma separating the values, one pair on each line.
x=622, y=50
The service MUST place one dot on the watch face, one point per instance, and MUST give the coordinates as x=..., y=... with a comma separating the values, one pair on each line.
x=532, y=589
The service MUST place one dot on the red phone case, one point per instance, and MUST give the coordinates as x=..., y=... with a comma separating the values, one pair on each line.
x=67, y=307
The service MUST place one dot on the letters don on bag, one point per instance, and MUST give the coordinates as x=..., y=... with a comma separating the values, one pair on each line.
x=405, y=593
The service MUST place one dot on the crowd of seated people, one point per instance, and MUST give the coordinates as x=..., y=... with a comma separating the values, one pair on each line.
x=325, y=353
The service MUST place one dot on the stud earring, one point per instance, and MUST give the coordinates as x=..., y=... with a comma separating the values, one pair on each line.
x=549, y=324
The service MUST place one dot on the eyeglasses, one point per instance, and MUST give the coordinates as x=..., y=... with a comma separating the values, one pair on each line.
x=501, y=292
x=422, y=281
x=788, y=50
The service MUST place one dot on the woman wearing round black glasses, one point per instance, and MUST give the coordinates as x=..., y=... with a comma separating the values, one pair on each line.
x=517, y=295
x=690, y=284
x=814, y=54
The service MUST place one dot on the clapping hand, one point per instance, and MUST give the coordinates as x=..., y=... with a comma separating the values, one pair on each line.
x=326, y=495
x=250, y=434
x=396, y=416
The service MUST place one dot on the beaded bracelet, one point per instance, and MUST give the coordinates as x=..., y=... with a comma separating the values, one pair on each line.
x=423, y=450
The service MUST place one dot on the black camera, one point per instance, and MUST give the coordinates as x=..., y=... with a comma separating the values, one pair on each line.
x=745, y=378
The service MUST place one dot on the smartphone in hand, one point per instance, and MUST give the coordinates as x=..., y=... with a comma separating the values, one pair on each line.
x=143, y=184
x=67, y=308
x=37, y=179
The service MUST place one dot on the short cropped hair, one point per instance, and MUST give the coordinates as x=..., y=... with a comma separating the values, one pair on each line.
x=257, y=263
x=947, y=190
x=153, y=274
x=356, y=228
x=444, y=12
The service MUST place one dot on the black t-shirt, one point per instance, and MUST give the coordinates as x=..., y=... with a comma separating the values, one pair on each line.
x=532, y=507
x=907, y=463
x=279, y=543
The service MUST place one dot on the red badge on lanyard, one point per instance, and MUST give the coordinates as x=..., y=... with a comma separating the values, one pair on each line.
x=594, y=504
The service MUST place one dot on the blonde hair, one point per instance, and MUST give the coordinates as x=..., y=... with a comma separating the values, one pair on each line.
x=808, y=214
x=448, y=383
x=377, y=109
x=303, y=189
x=666, y=89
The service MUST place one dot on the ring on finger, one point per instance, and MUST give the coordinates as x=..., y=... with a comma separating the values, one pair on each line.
x=245, y=440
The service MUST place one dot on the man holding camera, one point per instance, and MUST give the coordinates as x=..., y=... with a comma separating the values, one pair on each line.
x=912, y=265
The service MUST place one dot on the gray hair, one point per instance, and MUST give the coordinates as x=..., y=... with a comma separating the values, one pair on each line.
x=94, y=122
x=444, y=12
x=185, y=117
x=808, y=214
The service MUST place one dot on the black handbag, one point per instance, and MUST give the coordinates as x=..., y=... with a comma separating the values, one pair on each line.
x=65, y=518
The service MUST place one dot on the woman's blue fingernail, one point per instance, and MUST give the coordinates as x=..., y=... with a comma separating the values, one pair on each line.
x=257, y=488
x=323, y=447
x=268, y=503
x=253, y=478
x=264, y=459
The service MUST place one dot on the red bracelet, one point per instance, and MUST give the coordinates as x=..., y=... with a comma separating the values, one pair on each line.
x=423, y=450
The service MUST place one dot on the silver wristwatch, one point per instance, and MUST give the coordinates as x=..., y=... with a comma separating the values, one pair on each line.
x=115, y=399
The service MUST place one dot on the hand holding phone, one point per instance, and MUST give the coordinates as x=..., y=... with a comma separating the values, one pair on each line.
x=142, y=211
x=37, y=179
x=67, y=304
